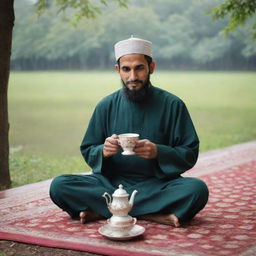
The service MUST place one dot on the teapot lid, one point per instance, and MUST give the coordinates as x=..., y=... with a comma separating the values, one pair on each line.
x=120, y=192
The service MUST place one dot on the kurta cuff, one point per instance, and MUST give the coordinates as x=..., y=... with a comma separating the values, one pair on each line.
x=174, y=161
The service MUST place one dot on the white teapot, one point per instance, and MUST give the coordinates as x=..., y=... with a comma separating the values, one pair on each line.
x=120, y=206
x=121, y=225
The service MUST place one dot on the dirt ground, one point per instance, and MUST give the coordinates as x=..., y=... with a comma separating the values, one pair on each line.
x=10, y=248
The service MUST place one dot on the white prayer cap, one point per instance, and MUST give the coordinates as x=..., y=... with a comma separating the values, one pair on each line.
x=133, y=45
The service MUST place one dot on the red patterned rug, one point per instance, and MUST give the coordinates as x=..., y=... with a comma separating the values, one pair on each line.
x=226, y=226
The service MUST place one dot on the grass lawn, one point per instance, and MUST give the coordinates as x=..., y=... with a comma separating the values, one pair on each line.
x=49, y=112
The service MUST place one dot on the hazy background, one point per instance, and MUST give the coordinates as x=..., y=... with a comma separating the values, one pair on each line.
x=184, y=37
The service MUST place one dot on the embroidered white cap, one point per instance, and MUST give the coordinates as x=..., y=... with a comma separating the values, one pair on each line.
x=133, y=45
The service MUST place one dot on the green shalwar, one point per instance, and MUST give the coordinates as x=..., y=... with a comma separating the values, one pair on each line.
x=164, y=120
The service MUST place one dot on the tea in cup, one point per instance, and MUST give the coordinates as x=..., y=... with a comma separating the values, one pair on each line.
x=128, y=142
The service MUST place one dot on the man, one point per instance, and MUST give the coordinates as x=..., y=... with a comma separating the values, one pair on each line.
x=168, y=146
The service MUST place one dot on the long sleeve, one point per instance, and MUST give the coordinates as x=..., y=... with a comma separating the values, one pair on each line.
x=182, y=150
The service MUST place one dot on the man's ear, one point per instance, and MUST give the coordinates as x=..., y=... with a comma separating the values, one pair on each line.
x=152, y=67
x=117, y=68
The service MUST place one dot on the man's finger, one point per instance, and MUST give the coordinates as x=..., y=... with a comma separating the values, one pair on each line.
x=141, y=143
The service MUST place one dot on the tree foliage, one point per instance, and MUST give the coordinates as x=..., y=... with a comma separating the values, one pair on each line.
x=184, y=37
x=238, y=11
x=83, y=8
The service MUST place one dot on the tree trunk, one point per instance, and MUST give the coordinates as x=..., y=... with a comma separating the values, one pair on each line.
x=6, y=26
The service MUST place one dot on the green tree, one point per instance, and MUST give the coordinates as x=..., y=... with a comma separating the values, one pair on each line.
x=178, y=28
x=120, y=24
x=210, y=48
x=83, y=8
x=176, y=43
x=239, y=12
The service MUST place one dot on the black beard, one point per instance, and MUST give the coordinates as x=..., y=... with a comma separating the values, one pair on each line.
x=136, y=95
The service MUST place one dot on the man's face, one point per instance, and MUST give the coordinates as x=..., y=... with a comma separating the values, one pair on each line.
x=134, y=71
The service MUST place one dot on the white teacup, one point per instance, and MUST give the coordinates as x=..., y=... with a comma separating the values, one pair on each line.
x=121, y=228
x=128, y=141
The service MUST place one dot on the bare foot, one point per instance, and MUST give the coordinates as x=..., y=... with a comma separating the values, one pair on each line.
x=86, y=216
x=167, y=219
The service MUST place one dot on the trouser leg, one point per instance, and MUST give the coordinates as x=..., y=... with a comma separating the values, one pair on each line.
x=192, y=199
x=184, y=197
x=76, y=193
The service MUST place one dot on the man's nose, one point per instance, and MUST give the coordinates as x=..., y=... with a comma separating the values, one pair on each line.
x=133, y=75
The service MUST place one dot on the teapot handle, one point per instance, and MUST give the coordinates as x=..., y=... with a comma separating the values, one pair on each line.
x=107, y=197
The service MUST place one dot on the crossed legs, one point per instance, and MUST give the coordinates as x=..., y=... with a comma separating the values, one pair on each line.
x=174, y=202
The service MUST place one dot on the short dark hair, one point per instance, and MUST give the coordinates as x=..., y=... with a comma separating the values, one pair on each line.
x=148, y=59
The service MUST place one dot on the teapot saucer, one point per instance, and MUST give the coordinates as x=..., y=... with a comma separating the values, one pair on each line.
x=135, y=231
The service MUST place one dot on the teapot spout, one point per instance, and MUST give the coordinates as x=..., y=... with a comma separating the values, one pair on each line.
x=132, y=197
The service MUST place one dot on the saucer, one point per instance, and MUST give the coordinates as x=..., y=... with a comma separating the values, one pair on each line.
x=135, y=231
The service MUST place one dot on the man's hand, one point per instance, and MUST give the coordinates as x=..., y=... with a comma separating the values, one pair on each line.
x=146, y=149
x=111, y=146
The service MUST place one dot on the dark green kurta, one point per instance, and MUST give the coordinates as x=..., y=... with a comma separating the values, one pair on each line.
x=164, y=120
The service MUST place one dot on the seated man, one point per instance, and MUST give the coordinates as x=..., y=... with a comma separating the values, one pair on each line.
x=168, y=146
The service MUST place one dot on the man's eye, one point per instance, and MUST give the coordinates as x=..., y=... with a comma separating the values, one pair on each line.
x=125, y=69
x=141, y=67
